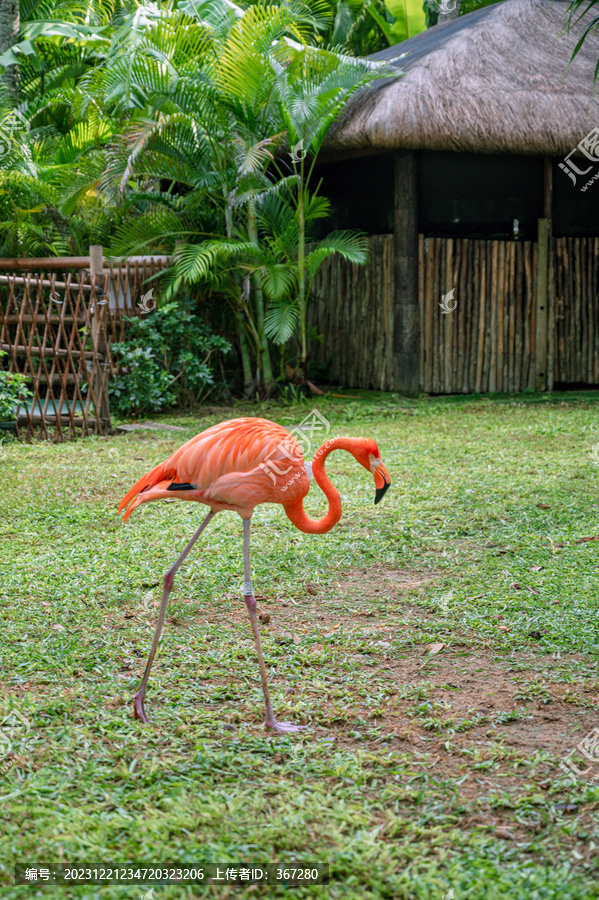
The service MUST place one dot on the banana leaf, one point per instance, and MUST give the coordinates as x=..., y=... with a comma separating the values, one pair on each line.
x=410, y=19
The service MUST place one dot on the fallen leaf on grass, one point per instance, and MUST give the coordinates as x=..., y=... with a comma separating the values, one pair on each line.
x=431, y=649
x=544, y=506
x=533, y=590
x=586, y=540
x=536, y=568
x=58, y=627
x=503, y=628
x=515, y=586
x=346, y=396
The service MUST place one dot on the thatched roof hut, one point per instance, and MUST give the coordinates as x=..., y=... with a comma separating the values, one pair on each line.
x=477, y=175
x=498, y=80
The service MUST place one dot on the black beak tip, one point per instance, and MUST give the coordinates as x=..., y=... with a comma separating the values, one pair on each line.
x=380, y=492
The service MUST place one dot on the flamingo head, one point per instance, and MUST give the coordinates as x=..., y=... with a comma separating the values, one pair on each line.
x=367, y=454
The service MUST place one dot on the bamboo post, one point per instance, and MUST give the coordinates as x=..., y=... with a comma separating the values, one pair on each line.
x=492, y=388
x=551, y=330
x=481, y=317
x=99, y=374
x=542, y=300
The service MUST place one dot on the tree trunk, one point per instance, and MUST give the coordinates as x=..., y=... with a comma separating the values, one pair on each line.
x=301, y=268
x=264, y=356
x=246, y=362
x=448, y=10
x=9, y=35
x=406, y=339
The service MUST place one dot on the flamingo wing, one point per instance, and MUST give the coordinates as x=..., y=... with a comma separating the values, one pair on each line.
x=225, y=456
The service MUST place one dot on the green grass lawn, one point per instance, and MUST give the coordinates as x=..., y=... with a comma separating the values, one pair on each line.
x=420, y=772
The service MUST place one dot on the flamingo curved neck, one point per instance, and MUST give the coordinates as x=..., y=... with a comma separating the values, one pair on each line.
x=295, y=510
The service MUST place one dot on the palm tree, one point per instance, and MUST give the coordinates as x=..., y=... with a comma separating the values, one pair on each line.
x=210, y=95
x=300, y=90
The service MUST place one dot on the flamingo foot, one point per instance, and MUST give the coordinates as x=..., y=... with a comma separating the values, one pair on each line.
x=138, y=708
x=284, y=727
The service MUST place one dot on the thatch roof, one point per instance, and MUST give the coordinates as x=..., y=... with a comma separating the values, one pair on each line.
x=498, y=80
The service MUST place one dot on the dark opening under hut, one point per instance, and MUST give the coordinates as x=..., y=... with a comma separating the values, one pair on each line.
x=473, y=175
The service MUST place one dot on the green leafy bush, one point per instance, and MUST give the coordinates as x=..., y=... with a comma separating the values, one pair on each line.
x=165, y=362
x=13, y=390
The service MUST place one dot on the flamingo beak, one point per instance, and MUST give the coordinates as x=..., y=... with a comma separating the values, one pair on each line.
x=382, y=482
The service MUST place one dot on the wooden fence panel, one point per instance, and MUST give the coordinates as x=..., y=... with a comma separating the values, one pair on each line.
x=574, y=343
x=58, y=329
x=487, y=343
x=352, y=308
x=481, y=339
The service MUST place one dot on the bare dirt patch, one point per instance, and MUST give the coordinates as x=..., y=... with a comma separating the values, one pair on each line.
x=360, y=583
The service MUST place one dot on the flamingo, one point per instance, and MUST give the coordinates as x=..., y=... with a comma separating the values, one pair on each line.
x=237, y=465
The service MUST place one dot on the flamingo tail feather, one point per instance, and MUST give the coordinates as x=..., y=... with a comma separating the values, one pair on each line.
x=147, y=481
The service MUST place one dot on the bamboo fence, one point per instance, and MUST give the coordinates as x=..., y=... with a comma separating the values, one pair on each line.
x=575, y=312
x=352, y=308
x=488, y=343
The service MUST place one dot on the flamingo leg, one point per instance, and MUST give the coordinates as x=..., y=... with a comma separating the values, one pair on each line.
x=167, y=586
x=250, y=602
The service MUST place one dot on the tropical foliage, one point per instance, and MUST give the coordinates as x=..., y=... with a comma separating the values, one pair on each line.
x=13, y=391
x=578, y=9
x=166, y=361
x=190, y=127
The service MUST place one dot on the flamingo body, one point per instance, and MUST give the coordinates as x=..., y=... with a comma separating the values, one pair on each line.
x=235, y=465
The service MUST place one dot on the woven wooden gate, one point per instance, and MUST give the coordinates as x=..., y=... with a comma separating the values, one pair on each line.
x=58, y=331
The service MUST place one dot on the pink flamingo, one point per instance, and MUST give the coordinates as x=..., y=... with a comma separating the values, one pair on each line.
x=237, y=465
